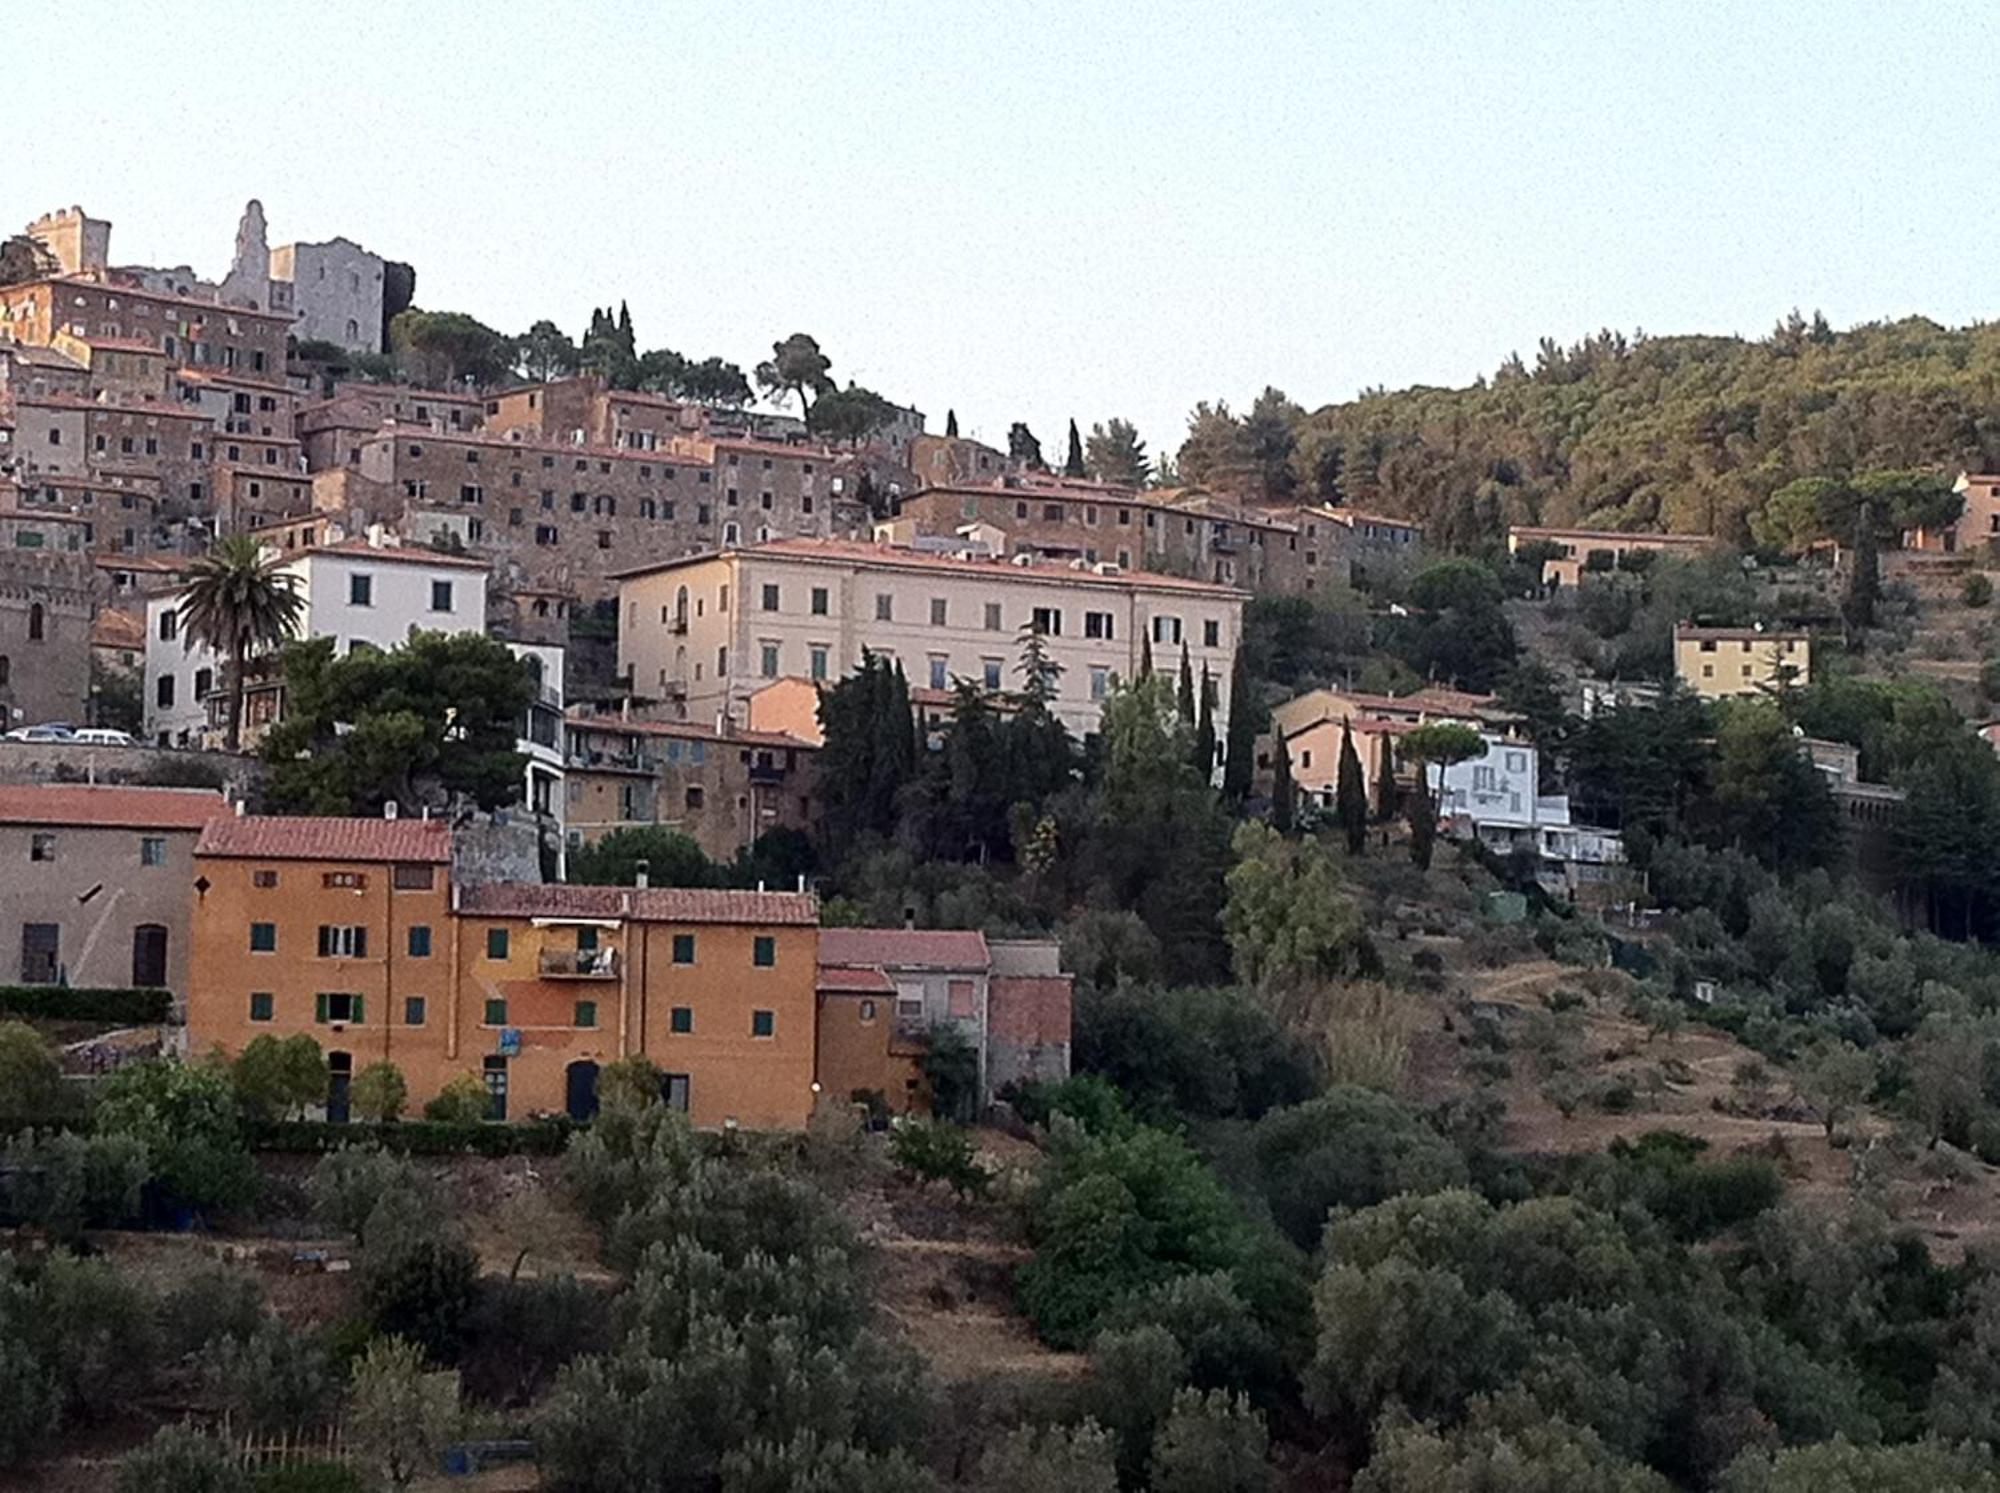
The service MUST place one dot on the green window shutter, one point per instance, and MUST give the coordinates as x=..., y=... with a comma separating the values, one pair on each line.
x=357, y=1011
x=681, y=1019
x=764, y=951
x=586, y=1013
x=319, y=1009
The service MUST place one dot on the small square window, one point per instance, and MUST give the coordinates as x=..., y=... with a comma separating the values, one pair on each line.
x=764, y=951
x=885, y=607
x=264, y=879
x=683, y=948
x=496, y=943
x=496, y=1011
x=681, y=1020
x=41, y=847
x=586, y=1013
x=440, y=596
x=263, y=938
x=262, y=1005
x=361, y=590
x=763, y=1023
x=152, y=850
x=770, y=598
x=420, y=941
x=413, y=1010
x=819, y=601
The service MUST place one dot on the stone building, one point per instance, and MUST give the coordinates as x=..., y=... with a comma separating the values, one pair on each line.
x=97, y=883
x=721, y=785
x=336, y=291
x=46, y=606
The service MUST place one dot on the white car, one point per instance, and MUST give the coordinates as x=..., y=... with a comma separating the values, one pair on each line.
x=51, y=732
x=104, y=736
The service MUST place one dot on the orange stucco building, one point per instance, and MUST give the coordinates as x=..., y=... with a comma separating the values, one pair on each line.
x=352, y=930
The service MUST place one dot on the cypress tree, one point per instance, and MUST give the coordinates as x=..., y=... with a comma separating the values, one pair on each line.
x=1184, y=697
x=951, y=423
x=625, y=337
x=1350, y=795
x=1281, y=785
x=1242, y=744
x=1385, y=782
x=1864, y=583
x=1073, y=463
x=1204, y=731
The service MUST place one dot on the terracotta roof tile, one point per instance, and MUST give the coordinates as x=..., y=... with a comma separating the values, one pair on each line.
x=854, y=980
x=275, y=837
x=895, y=557
x=104, y=805
x=118, y=629
x=944, y=948
x=690, y=731
x=649, y=904
x=405, y=554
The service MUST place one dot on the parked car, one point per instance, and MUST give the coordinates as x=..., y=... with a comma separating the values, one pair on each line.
x=52, y=731
x=104, y=736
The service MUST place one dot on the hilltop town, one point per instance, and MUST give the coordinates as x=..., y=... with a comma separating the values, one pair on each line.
x=577, y=917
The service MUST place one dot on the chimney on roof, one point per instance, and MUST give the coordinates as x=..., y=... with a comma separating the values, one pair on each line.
x=642, y=876
x=909, y=917
x=389, y=809
x=239, y=808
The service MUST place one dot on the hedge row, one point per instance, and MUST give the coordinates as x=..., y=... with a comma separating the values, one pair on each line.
x=125, y=1007
x=543, y=1137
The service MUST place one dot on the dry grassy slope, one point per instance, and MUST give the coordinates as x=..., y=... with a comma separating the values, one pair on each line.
x=943, y=1271
x=1954, y=1211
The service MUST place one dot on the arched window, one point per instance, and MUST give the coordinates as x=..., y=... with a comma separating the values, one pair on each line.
x=37, y=623
x=353, y=330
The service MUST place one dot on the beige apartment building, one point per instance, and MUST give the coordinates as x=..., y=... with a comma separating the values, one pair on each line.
x=1597, y=549
x=1720, y=662
x=707, y=631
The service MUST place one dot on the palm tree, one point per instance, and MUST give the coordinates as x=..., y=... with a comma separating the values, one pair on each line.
x=237, y=602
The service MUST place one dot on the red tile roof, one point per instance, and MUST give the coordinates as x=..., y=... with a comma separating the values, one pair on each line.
x=690, y=731
x=943, y=948
x=1627, y=536
x=106, y=806
x=854, y=980
x=279, y=838
x=118, y=629
x=648, y=905
x=895, y=557
x=406, y=554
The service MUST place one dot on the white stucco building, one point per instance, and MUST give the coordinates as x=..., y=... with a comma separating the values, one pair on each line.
x=372, y=592
x=1496, y=798
x=707, y=631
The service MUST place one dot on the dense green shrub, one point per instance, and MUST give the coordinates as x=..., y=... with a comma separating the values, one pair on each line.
x=936, y=1151
x=121, y=1007
x=540, y=1137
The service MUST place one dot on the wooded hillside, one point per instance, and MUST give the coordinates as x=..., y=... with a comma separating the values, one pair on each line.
x=1688, y=434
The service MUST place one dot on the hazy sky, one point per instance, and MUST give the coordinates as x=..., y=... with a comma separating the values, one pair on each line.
x=1038, y=211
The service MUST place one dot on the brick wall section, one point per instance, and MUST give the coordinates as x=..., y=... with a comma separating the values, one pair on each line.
x=1027, y=1028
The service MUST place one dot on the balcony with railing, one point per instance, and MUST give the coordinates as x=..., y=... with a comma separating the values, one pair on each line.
x=579, y=964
